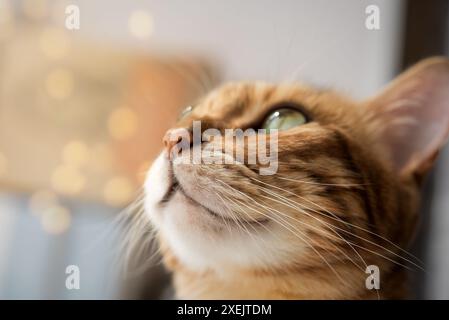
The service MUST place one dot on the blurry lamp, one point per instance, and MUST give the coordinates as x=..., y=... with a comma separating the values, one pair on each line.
x=84, y=120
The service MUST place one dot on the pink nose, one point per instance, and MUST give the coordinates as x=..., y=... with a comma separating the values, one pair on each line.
x=174, y=140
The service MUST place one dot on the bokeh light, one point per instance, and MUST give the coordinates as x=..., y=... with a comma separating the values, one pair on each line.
x=68, y=180
x=54, y=43
x=140, y=24
x=75, y=153
x=56, y=219
x=59, y=84
x=122, y=123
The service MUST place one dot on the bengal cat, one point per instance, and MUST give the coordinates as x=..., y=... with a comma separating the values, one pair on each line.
x=345, y=194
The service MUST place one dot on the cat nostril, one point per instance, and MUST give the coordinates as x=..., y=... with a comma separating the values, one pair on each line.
x=173, y=139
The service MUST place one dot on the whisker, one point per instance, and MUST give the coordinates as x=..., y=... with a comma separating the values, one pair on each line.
x=346, y=231
x=329, y=226
x=260, y=248
x=282, y=223
x=322, y=184
x=336, y=247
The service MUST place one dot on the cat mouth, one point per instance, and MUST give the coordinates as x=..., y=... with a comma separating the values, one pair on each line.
x=175, y=187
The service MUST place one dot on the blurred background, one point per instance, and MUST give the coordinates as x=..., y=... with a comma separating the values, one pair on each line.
x=82, y=113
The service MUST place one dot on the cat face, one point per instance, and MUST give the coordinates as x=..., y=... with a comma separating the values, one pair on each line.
x=342, y=192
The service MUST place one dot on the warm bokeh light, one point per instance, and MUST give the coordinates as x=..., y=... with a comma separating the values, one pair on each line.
x=59, y=84
x=75, y=153
x=35, y=9
x=140, y=24
x=67, y=179
x=86, y=120
x=54, y=43
x=122, y=123
x=56, y=219
x=118, y=191
x=41, y=201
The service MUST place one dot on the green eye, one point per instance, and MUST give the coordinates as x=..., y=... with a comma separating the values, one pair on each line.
x=284, y=119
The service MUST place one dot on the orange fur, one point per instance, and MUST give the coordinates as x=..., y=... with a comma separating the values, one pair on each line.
x=336, y=204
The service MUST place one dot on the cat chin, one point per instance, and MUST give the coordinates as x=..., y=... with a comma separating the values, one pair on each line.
x=201, y=243
x=201, y=239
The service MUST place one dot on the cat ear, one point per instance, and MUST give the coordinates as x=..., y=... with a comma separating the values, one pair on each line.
x=410, y=118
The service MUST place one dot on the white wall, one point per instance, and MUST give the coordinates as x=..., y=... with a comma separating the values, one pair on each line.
x=321, y=41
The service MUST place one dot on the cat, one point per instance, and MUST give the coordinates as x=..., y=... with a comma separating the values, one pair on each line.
x=345, y=195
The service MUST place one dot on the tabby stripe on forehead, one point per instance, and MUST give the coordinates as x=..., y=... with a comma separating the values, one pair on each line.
x=268, y=94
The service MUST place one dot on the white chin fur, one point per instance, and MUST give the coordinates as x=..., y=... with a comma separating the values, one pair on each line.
x=157, y=183
x=196, y=238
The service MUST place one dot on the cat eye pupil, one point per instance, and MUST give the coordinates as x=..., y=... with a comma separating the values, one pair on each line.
x=284, y=119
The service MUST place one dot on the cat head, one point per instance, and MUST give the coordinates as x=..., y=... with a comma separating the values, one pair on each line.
x=346, y=182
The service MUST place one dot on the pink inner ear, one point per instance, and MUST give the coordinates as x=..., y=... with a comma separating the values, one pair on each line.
x=412, y=115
